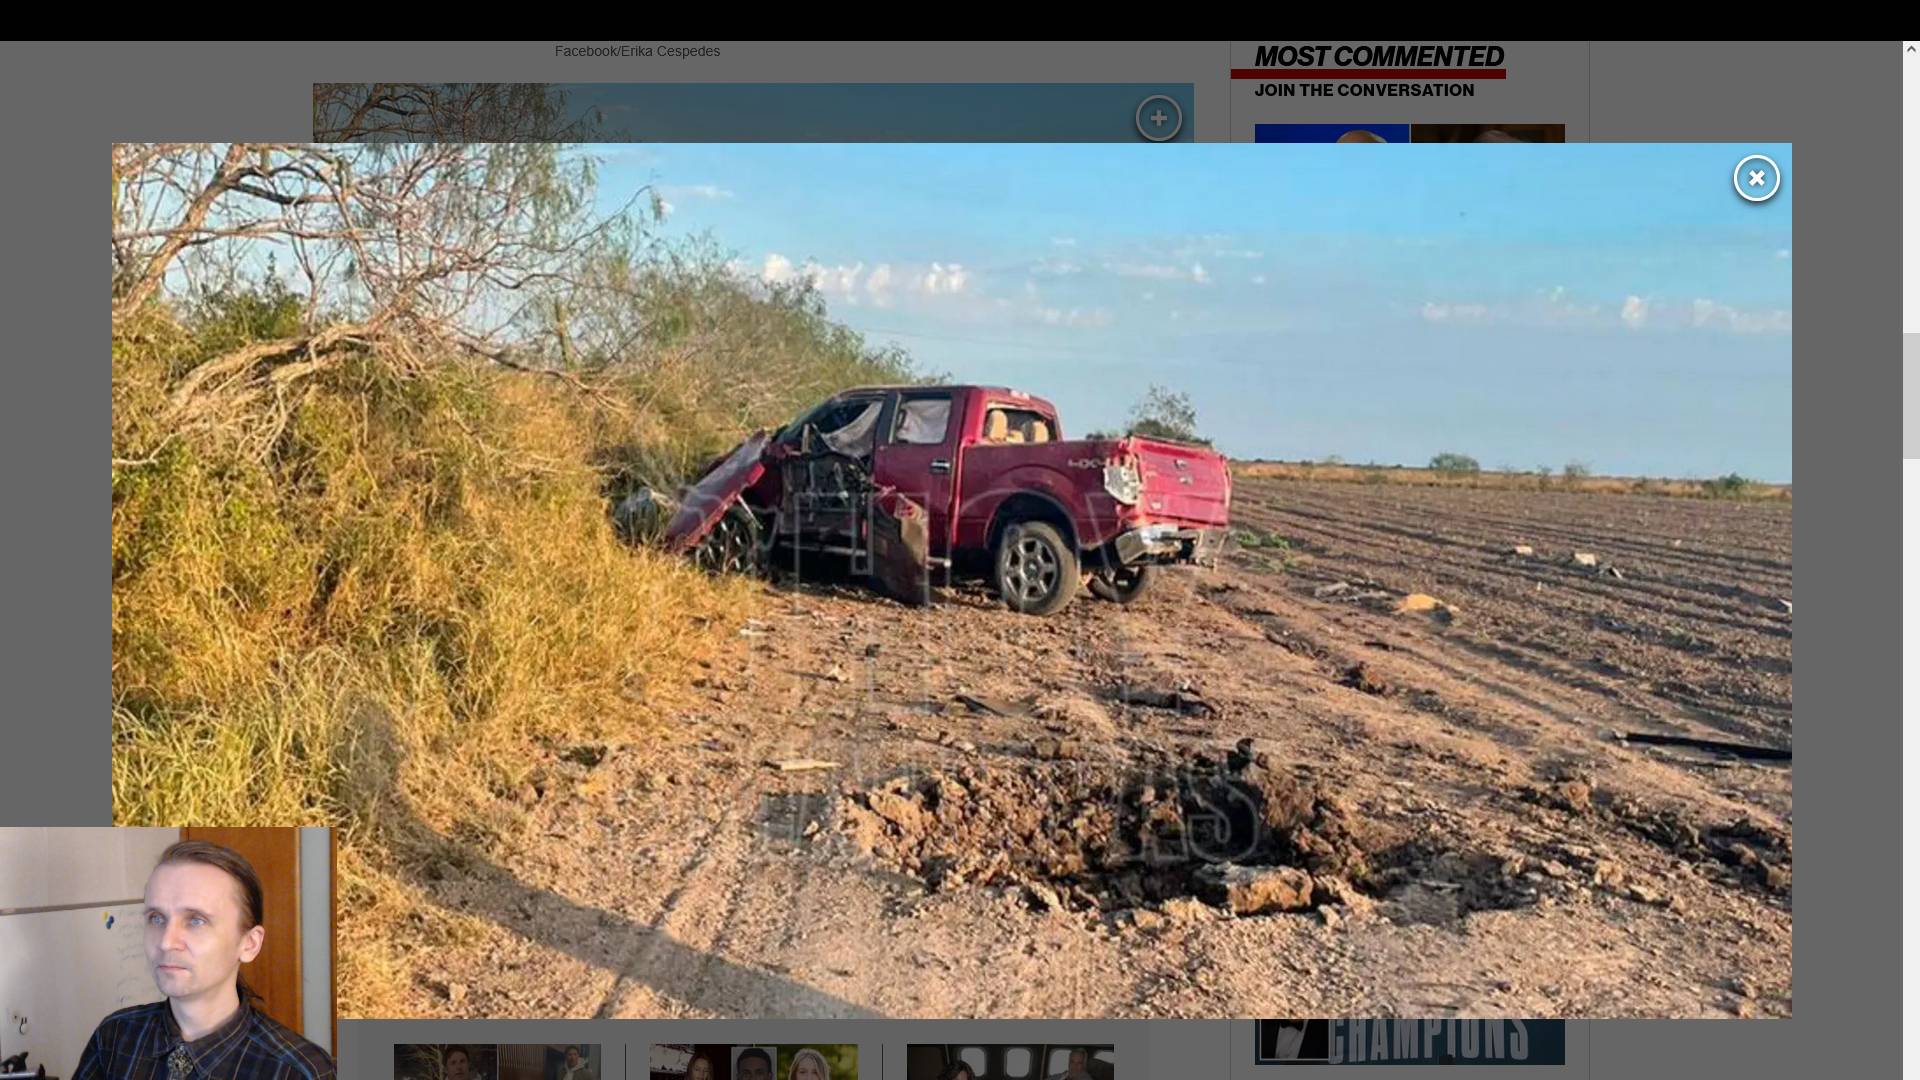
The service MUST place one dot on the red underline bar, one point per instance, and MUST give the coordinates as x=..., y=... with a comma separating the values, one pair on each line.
x=1369, y=73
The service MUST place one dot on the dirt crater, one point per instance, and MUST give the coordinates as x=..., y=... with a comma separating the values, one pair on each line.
x=1232, y=830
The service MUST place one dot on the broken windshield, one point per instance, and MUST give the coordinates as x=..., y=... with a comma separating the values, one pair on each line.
x=853, y=438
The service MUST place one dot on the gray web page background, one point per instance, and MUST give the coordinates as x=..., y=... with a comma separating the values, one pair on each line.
x=1837, y=103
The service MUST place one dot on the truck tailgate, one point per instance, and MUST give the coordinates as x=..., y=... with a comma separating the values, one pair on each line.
x=1187, y=484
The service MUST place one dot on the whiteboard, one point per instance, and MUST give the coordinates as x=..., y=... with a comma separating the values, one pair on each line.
x=64, y=971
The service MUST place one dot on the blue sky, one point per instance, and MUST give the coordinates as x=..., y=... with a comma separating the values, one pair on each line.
x=1612, y=304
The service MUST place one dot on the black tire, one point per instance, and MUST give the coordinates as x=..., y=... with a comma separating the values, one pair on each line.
x=1034, y=568
x=1124, y=584
x=732, y=546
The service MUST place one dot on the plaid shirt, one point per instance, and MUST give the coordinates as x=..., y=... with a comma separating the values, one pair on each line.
x=143, y=1043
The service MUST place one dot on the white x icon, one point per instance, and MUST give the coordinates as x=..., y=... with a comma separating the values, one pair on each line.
x=1756, y=178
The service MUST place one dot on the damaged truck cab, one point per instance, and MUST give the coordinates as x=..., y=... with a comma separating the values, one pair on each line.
x=973, y=478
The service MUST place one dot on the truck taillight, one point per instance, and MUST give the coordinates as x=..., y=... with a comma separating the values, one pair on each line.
x=1123, y=483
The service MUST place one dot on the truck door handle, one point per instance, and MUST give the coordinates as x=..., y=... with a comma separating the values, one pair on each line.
x=940, y=465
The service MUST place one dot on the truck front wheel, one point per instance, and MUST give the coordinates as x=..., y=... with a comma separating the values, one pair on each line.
x=733, y=544
x=1122, y=584
x=1035, y=568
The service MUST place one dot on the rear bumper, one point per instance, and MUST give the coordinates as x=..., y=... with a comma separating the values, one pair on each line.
x=1167, y=544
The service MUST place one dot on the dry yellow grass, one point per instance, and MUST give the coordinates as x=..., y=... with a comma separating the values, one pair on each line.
x=379, y=625
x=1515, y=481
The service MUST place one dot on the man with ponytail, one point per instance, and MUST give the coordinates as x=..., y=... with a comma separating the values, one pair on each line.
x=204, y=914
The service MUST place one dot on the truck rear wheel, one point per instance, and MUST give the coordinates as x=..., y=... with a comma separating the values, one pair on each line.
x=1035, y=569
x=1122, y=584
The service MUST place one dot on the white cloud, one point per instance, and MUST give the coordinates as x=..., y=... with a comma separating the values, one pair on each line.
x=1199, y=274
x=944, y=279
x=1213, y=245
x=840, y=281
x=856, y=283
x=1783, y=253
x=1065, y=241
x=1634, y=311
x=1075, y=318
x=1436, y=312
x=1147, y=296
x=1710, y=314
x=1558, y=307
x=1155, y=271
x=778, y=269
x=1031, y=289
x=1259, y=279
x=880, y=285
x=1054, y=267
x=696, y=191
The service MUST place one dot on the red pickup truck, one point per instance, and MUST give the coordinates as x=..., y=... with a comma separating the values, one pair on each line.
x=901, y=478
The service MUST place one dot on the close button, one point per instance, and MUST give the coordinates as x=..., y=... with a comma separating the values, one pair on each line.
x=1756, y=178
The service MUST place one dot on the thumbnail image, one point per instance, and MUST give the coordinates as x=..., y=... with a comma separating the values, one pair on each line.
x=687, y=1061
x=107, y=934
x=446, y=1061
x=1453, y=133
x=1010, y=1061
x=1330, y=133
x=1008, y=580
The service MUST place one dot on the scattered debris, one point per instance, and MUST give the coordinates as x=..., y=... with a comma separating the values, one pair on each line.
x=1144, y=918
x=1745, y=750
x=1365, y=679
x=1179, y=699
x=1574, y=795
x=1048, y=748
x=1786, y=605
x=954, y=742
x=985, y=705
x=1254, y=890
x=1421, y=602
x=1186, y=909
x=1523, y=550
x=1613, y=572
x=1585, y=558
x=1043, y=897
x=1097, y=838
x=1332, y=588
x=801, y=764
x=835, y=674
